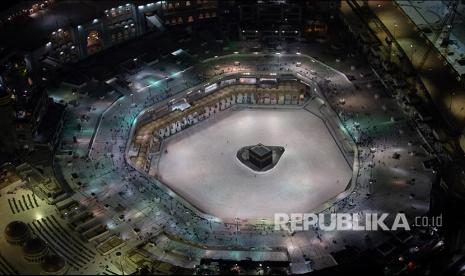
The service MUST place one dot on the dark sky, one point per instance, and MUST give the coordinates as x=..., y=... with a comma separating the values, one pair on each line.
x=5, y=4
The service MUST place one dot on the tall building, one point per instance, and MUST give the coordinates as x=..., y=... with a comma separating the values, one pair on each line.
x=274, y=20
x=8, y=141
x=23, y=103
x=175, y=12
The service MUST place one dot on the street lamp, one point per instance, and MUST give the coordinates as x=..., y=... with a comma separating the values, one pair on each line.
x=279, y=55
x=450, y=102
x=237, y=223
x=120, y=256
x=132, y=97
x=75, y=95
x=413, y=51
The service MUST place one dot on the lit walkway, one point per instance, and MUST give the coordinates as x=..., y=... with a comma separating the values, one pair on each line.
x=441, y=83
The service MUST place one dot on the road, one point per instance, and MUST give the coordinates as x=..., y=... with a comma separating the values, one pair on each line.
x=439, y=79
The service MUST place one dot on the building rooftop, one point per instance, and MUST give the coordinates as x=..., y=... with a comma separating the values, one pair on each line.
x=53, y=264
x=49, y=123
x=16, y=229
x=260, y=150
x=32, y=32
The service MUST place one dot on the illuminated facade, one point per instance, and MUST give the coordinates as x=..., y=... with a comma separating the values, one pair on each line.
x=122, y=23
x=279, y=20
x=188, y=12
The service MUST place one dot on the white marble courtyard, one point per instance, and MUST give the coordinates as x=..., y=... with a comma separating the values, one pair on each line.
x=201, y=166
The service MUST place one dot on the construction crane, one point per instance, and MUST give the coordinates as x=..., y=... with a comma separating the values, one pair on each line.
x=444, y=30
x=447, y=30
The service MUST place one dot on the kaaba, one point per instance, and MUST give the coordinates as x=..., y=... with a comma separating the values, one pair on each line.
x=261, y=156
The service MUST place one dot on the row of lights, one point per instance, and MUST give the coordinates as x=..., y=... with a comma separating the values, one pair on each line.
x=30, y=11
x=119, y=8
x=148, y=6
x=278, y=53
x=96, y=19
x=57, y=31
x=256, y=31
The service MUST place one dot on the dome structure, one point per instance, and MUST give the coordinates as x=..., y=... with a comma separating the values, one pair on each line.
x=17, y=232
x=53, y=265
x=35, y=250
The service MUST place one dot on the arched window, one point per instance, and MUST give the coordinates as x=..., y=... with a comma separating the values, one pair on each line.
x=94, y=42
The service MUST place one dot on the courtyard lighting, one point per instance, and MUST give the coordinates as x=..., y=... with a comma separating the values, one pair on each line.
x=413, y=51
x=279, y=55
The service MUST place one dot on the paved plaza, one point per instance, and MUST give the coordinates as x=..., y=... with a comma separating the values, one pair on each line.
x=200, y=164
x=382, y=182
x=232, y=137
x=125, y=199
